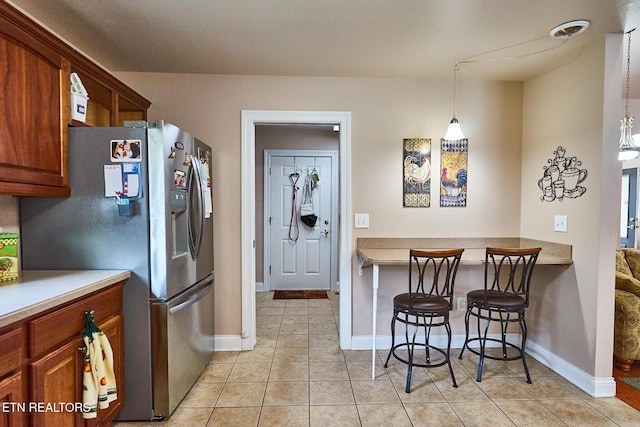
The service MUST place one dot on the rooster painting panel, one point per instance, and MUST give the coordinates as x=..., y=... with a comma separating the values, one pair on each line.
x=417, y=172
x=453, y=173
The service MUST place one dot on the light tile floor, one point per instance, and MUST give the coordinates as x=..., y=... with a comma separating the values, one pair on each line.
x=298, y=376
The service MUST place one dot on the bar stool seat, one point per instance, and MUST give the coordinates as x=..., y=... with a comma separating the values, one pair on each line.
x=509, y=302
x=420, y=303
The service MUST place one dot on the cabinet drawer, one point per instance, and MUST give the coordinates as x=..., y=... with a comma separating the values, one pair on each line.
x=11, y=346
x=64, y=323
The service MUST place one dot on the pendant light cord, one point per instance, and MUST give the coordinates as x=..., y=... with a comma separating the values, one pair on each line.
x=471, y=60
x=626, y=106
x=455, y=79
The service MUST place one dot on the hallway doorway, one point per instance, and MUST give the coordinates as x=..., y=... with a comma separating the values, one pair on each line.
x=249, y=120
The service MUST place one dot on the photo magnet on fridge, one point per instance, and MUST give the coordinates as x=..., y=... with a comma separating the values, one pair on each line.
x=125, y=150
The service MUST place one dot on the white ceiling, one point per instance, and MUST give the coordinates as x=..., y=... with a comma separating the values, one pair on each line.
x=353, y=38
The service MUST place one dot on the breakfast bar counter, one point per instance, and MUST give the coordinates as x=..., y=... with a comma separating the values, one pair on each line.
x=395, y=251
x=39, y=290
x=376, y=252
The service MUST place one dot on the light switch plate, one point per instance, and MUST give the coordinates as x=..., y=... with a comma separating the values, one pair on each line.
x=361, y=221
x=560, y=223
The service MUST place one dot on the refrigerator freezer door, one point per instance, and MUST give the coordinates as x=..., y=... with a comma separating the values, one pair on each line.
x=172, y=268
x=182, y=335
x=181, y=236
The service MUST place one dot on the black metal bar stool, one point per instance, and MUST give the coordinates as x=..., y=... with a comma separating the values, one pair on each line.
x=504, y=299
x=426, y=305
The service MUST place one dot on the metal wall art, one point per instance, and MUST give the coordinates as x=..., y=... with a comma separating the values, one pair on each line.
x=562, y=178
x=417, y=172
x=453, y=172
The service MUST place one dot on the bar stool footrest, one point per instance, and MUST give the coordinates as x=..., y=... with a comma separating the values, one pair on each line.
x=420, y=365
x=476, y=351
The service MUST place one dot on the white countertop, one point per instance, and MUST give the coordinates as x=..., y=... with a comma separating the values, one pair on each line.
x=40, y=290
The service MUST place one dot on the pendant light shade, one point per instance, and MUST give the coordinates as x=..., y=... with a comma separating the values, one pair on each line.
x=628, y=147
x=454, y=131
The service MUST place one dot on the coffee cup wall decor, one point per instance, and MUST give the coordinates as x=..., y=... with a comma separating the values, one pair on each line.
x=562, y=178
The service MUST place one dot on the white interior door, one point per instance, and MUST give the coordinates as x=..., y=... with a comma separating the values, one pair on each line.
x=299, y=255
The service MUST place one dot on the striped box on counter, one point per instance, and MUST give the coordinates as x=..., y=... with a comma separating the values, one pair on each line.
x=9, y=265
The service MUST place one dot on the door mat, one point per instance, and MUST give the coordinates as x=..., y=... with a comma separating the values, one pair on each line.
x=299, y=294
x=632, y=381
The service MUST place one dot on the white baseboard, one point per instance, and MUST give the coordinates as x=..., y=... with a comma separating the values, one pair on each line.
x=260, y=287
x=228, y=343
x=596, y=387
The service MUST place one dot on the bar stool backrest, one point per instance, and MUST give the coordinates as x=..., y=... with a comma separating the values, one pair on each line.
x=435, y=272
x=510, y=270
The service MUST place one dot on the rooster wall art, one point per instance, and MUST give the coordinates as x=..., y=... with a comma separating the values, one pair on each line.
x=453, y=173
x=416, y=166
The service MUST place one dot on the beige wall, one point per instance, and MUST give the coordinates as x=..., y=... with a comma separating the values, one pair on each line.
x=384, y=111
x=572, y=310
x=9, y=219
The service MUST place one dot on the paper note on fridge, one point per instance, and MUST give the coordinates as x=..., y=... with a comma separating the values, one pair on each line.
x=131, y=173
x=132, y=186
x=112, y=181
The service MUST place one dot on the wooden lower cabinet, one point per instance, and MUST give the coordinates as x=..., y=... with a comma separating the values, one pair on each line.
x=43, y=385
x=56, y=380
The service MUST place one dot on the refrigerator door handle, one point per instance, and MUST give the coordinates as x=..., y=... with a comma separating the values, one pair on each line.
x=195, y=187
x=197, y=296
x=200, y=206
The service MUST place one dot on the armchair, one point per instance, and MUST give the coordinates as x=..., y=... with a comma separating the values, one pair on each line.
x=626, y=347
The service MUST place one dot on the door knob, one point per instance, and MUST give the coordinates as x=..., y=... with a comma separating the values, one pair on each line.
x=325, y=232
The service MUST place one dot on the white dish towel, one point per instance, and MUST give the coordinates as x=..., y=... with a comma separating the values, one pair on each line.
x=98, y=377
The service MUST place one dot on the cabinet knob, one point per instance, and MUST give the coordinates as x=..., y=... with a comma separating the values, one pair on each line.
x=82, y=349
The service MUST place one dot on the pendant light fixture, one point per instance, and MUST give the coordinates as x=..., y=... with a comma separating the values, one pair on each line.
x=454, y=131
x=628, y=147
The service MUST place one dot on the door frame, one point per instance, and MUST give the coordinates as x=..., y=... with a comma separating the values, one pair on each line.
x=249, y=120
x=333, y=254
x=632, y=207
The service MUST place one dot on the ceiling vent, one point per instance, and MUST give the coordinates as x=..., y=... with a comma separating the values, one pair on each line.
x=569, y=29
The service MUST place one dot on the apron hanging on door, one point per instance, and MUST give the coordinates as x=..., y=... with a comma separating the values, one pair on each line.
x=307, y=209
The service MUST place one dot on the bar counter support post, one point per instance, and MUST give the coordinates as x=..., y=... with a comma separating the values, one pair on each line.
x=376, y=272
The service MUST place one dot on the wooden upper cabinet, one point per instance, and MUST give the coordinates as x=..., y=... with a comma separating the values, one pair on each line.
x=35, y=105
x=33, y=86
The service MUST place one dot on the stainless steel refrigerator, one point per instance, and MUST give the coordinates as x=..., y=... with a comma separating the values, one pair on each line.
x=140, y=201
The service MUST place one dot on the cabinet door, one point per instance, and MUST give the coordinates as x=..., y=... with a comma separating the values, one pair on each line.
x=34, y=82
x=11, y=398
x=57, y=378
